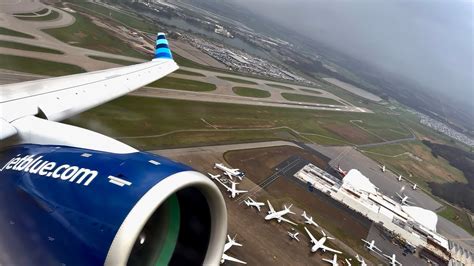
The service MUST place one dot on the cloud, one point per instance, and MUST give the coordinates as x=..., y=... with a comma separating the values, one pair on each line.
x=430, y=41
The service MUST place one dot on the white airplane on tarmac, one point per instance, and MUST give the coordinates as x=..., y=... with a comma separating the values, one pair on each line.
x=382, y=168
x=233, y=190
x=308, y=219
x=230, y=243
x=399, y=178
x=252, y=203
x=404, y=199
x=414, y=186
x=294, y=236
x=392, y=259
x=319, y=244
x=361, y=260
x=230, y=171
x=333, y=262
x=272, y=214
x=371, y=245
x=213, y=176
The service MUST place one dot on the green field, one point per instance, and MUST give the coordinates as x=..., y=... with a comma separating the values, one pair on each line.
x=401, y=158
x=37, y=66
x=189, y=73
x=251, y=92
x=144, y=116
x=183, y=84
x=50, y=16
x=279, y=86
x=308, y=98
x=126, y=19
x=112, y=60
x=27, y=47
x=459, y=217
x=243, y=81
x=5, y=31
x=310, y=91
x=84, y=33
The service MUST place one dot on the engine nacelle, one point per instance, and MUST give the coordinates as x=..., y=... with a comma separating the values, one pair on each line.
x=64, y=205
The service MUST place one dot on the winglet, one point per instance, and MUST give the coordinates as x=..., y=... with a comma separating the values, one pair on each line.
x=162, y=50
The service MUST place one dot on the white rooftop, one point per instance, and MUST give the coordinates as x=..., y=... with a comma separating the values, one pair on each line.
x=422, y=216
x=358, y=181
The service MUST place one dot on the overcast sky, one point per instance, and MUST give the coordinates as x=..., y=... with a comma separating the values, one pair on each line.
x=429, y=41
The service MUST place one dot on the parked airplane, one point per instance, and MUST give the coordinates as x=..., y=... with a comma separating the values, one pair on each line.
x=319, y=244
x=294, y=235
x=252, y=203
x=272, y=214
x=341, y=172
x=404, y=199
x=392, y=259
x=399, y=178
x=213, y=176
x=230, y=243
x=309, y=219
x=333, y=262
x=233, y=189
x=55, y=177
x=348, y=263
x=230, y=171
x=371, y=245
x=361, y=260
x=414, y=186
x=382, y=168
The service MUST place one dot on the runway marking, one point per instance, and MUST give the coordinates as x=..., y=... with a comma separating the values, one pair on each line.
x=209, y=124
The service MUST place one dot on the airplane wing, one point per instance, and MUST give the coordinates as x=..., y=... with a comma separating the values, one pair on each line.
x=270, y=206
x=229, y=258
x=378, y=249
x=328, y=260
x=313, y=239
x=330, y=249
x=27, y=105
x=241, y=191
x=286, y=220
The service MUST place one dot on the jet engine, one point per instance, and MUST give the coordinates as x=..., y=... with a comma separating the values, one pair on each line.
x=76, y=206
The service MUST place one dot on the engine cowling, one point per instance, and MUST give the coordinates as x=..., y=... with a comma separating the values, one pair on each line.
x=64, y=205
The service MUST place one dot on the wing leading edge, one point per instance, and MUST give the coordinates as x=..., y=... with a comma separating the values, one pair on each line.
x=62, y=97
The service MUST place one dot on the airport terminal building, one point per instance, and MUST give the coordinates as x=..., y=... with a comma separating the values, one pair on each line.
x=413, y=225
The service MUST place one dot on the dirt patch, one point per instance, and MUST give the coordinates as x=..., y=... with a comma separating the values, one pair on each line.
x=350, y=133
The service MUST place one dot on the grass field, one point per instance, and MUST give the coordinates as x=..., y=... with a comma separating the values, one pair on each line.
x=279, y=86
x=457, y=216
x=27, y=47
x=121, y=17
x=37, y=66
x=142, y=116
x=236, y=80
x=251, y=92
x=414, y=161
x=183, y=84
x=189, y=73
x=84, y=33
x=112, y=60
x=308, y=98
x=50, y=16
x=310, y=91
x=5, y=31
